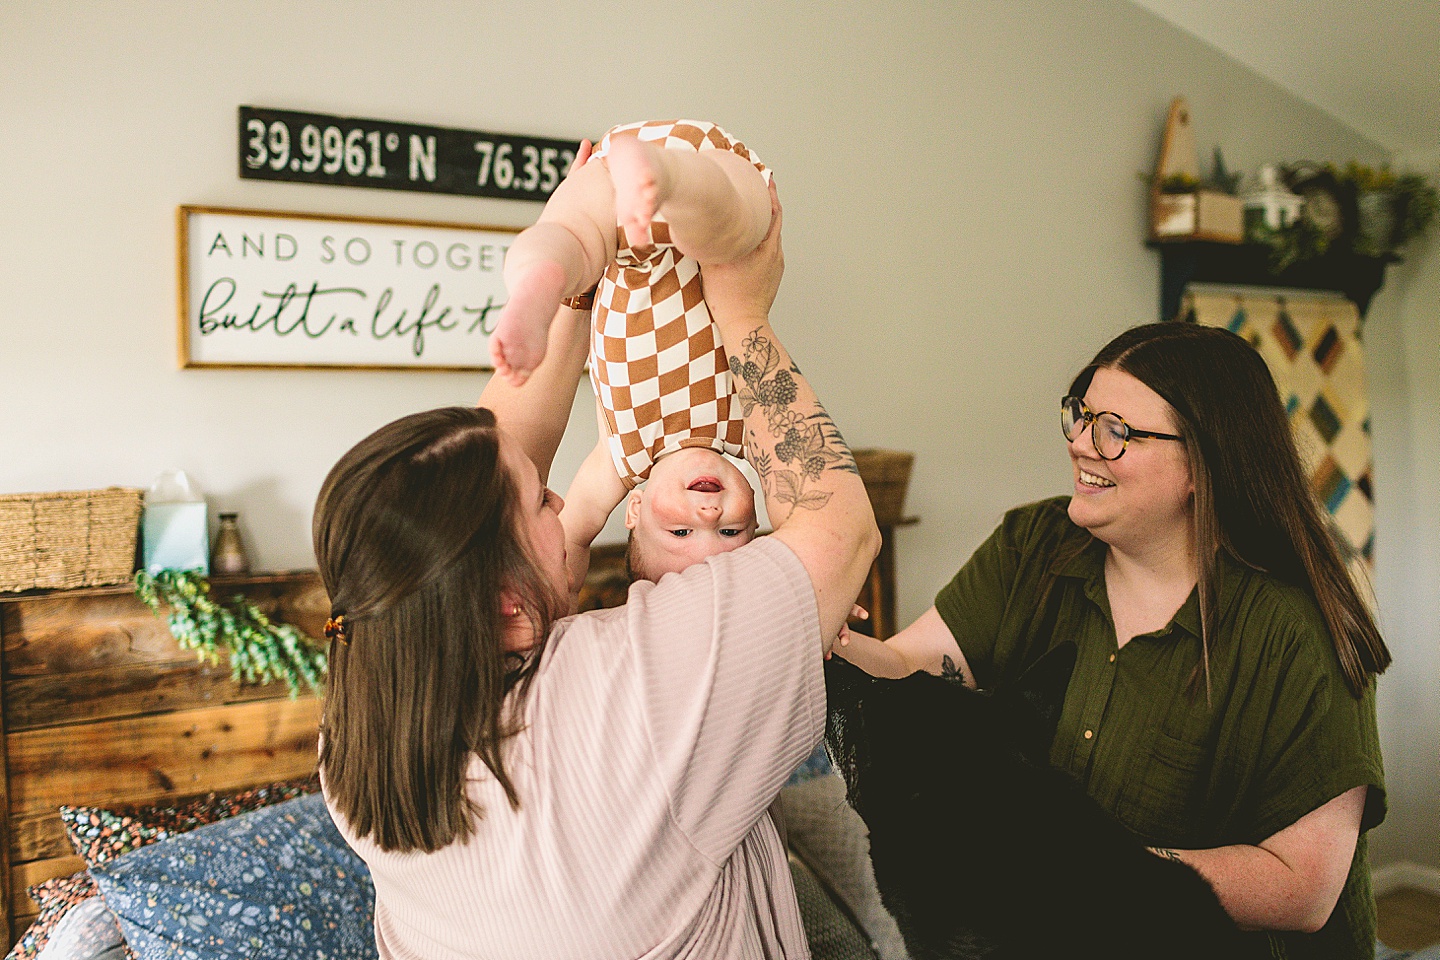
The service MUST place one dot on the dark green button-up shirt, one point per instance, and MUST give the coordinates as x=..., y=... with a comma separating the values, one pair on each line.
x=1279, y=735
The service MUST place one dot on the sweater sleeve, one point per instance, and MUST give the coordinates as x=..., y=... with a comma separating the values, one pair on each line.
x=731, y=684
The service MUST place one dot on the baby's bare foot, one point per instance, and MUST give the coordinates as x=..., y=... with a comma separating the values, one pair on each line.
x=642, y=185
x=522, y=330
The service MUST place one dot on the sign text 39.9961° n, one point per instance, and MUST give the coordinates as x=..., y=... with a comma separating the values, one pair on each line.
x=352, y=152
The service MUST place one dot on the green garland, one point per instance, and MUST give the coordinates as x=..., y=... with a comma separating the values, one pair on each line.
x=1290, y=244
x=260, y=650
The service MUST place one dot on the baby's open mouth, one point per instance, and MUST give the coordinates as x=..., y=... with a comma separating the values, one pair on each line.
x=706, y=485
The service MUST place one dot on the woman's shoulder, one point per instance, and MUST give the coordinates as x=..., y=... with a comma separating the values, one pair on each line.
x=764, y=571
x=1263, y=594
x=1281, y=622
x=1042, y=523
x=581, y=637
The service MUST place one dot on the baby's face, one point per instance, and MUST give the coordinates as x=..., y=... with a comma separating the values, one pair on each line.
x=695, y=504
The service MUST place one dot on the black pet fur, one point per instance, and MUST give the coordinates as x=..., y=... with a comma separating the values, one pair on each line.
x=981, y=849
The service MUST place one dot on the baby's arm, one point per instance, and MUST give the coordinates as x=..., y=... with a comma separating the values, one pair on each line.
x=593, y=495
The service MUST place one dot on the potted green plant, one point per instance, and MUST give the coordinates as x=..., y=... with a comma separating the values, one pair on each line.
x=1416, y=203
x=1390, y=208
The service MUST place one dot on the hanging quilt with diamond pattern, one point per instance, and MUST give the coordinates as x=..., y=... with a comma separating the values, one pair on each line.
x=1313, y=348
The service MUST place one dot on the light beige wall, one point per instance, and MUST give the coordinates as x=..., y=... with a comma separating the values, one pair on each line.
x=1405, y=394
x=964, y=215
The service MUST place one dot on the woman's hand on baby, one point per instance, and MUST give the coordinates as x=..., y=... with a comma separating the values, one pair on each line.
x=747, y=287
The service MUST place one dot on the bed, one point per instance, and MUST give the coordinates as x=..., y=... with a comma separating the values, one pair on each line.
x=152, y=757
x=103, y=710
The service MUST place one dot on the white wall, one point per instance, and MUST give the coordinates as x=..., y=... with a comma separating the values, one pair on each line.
x=964, y=216
x=1405, y=393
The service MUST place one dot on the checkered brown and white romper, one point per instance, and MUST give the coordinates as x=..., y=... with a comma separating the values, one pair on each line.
x=656, y=358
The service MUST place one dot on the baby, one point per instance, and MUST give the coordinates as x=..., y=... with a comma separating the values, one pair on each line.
x=662, y=199
x=695, y=504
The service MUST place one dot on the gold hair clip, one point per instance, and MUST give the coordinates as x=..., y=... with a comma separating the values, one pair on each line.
x=337, y=629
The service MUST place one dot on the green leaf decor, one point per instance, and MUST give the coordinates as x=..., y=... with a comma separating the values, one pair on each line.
x=260, y=650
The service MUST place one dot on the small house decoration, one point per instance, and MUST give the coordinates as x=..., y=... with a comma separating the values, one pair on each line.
x=1182, y=207
x=1270, y=202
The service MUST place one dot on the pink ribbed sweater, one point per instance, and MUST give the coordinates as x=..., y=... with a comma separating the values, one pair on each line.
x=656, y=735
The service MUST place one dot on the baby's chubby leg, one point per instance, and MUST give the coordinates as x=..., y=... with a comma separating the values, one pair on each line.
x=562, y=255
x=716, y=203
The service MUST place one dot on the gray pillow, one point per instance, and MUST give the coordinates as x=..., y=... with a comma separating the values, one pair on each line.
x=87, y=932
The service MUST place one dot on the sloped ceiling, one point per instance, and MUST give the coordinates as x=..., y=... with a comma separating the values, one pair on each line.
x=1372, y=64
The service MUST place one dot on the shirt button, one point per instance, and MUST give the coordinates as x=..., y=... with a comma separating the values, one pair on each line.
x=1112, y=658
x=1089, y=734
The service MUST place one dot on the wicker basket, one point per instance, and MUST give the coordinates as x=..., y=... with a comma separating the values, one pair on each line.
x=80, y=538
x=886, y=474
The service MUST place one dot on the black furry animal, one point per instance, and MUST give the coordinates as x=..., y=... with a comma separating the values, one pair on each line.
x=981, y=849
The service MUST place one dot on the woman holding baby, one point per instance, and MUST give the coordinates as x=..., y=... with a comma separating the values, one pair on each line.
x=527, y=784
x=605, y=791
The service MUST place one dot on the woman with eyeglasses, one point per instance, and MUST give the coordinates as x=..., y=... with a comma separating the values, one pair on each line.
x=1222, y=705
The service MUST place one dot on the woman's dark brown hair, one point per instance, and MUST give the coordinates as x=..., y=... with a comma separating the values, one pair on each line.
x=416, y=533
x=1252, y=497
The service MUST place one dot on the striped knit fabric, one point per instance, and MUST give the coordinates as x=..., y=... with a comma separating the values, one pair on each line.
x=655, y=737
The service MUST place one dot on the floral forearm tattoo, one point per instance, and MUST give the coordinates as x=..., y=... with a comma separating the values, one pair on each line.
x=807, y=444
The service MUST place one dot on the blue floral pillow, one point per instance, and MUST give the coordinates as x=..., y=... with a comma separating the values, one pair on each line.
x=279, y=882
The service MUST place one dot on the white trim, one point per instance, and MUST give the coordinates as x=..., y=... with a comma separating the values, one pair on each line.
x=1398, y=876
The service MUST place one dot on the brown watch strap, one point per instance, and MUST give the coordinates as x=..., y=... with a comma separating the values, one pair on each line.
x=583, y=301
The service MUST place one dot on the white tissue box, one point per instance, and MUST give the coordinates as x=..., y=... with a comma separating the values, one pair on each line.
x=175, y=536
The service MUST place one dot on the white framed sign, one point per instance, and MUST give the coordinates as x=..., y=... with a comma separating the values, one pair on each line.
x=267, y=289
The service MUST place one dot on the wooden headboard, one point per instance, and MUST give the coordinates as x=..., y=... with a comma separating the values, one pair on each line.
x=101, y=707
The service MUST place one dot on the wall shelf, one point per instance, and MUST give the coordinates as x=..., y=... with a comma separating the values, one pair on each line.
x=1199, y=261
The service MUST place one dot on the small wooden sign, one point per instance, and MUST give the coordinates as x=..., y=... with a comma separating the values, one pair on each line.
x=1196, y=212
x=266, y=289
x=353, y=152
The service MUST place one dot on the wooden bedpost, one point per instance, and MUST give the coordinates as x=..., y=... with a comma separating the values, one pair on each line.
x=5, y=839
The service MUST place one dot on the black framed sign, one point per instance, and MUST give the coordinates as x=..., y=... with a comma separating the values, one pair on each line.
x=354, y=152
